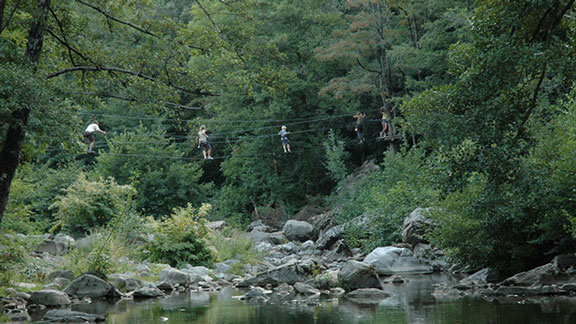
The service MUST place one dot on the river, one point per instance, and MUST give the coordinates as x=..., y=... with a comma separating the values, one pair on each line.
x=411, y=302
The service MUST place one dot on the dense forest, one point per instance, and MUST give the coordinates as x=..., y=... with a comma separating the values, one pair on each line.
x=480, y=95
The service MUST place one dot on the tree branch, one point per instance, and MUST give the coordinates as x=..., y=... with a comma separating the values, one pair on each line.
x=220, y=32
x=2, y=5
x=108, y=16
x=114, y=96
x=367, y=69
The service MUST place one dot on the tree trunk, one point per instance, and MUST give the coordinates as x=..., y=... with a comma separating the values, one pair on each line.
x=10, y=154
x=2, y=6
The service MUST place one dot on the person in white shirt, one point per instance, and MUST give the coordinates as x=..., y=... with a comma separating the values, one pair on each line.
x=89, y=134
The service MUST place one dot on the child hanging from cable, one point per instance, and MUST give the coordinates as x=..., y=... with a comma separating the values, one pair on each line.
x=284, y=139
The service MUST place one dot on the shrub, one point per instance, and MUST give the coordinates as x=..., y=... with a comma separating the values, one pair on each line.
x=335, y=157
x=180, y=238
x=90, y=204
x=232, y=243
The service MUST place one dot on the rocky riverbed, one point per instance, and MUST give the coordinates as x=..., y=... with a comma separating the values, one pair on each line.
x=304, y=261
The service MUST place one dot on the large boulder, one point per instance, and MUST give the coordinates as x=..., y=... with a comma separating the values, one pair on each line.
x=88, y=285
x=172, y=278
x=68, y=316
x=53, y=247
x=299, y=231
x=356, y=275
x=392, y=260
x=547, y=274
x=486, y=275
x=49, y=298
x=147, y=292
x=290, y=273
x=196, y=274
x=329, y=237
x=416, y=225
x=339, y=251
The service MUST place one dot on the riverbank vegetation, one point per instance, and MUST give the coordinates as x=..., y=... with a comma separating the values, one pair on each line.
x=480, y=93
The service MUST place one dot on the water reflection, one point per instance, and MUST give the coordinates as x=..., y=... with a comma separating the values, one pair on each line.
x=410, y=303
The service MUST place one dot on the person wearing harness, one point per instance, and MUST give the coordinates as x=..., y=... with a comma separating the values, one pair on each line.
x=284, y=139
x=89, y=134
x=385, y=122
x=204, y=143
x=359, y=126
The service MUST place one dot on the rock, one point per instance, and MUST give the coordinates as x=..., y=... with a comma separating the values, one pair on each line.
x=289, y=273
x=196, y=274
x=305, y=289
x=61, y=237
x=61, y=282
x=356, y=275
x=68, y=274
x=88, y=285
x=368, y=293
x=515, y=290
x=485, y=275
x=299, y=231
x=52, y=247
x=22, y=295
x=25, y=285
x=416, y=225
x=49, y=298
x=222, y=267
x=329, y=237
x=569, y=287
x=257, y=293
x=564, y=261
x=308, y=246
x=339, y=251
x=277, y=238
x=260, y=226
x=259, y=236
x=17, y=315
x=391, y=260
x=543, y=275
x=326, y=280
x=217, y=225
x=147, y=292
x=68, y=316
x=172, y=278
x=395, y=279
x=263, y=247
x=290, y=248
x=133, y=284
x=141, y=268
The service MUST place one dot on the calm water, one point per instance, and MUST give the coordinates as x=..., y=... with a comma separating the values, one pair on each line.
x=410, y=303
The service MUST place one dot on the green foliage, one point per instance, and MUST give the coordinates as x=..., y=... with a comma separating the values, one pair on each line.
x=335, y=157
x=180, y=238
x=385, y=198
x=89, y=204
x=232, y=243
x=156, y=168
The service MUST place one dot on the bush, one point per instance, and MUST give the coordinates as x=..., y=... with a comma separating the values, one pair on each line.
x=335, y=157
x=180, y=238
x=232, y=243
x=90, y=204
x=386, y=198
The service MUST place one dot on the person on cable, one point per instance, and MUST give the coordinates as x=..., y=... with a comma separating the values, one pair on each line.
x=359, y=125
x=385, y=122
x=284, y=139
x=89, y=134
x=204, y=143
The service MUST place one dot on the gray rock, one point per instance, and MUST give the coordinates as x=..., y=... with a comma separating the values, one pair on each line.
x=329, y=237
x=60, y=237
x=338, y=251
x=263, y=247
x=172, y=278
x=257, y=294
x=17, y=315
x=305, y=289
x=260, y=226
x=196, y=274
x=53, y=247
x=49, y=298
x=68, y=316
x=308, y=246
x=289, y=273
x=564, y=261
x=217, y=225
x=392, y=260
x=299, y=231
x=61, y=282
x=88, y=285
x=147, y=292
x=277, y=238
x=485, y=275
x=368, y=293
x=22, y=295
x=141, y=268
x=222, y=267
x=326, y=280
x=356, y=275
x=133, y=284
x=416, y=225
x=544, y=275
x=290, y=248
x=259, y=236
x=61, y=274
